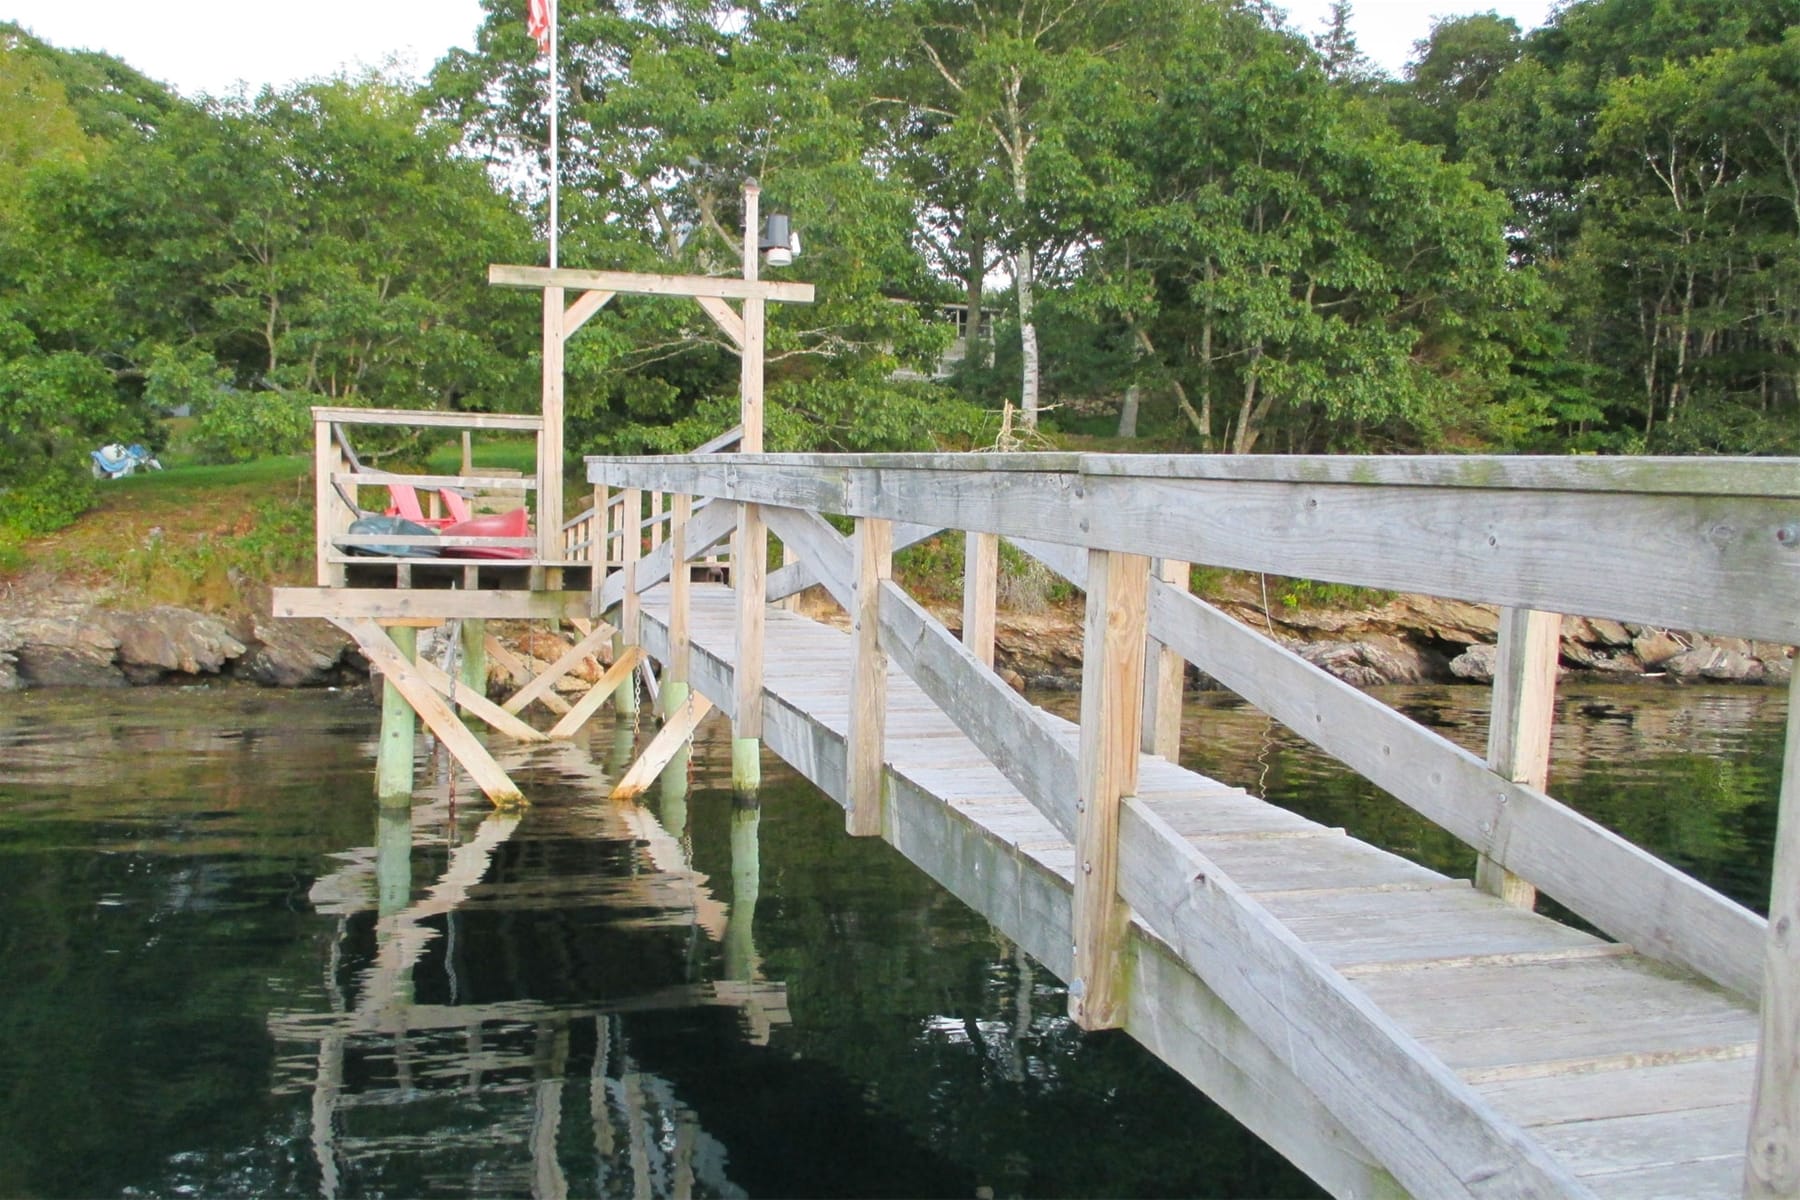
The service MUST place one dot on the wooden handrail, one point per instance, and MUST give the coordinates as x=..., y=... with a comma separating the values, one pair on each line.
x=430, y=418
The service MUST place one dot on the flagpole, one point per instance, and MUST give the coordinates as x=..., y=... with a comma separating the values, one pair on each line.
x=555, y=172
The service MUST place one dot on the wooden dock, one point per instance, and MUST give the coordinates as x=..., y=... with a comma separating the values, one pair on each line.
x=1389, y=1029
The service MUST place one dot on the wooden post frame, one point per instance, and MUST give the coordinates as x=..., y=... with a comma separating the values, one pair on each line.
x=1519, y=727
x=749, y=570
x=1772, y=1159
x=981, y=593
x=868, y=677
x=550, y=438
x=1165, y=675
x=1112, y=686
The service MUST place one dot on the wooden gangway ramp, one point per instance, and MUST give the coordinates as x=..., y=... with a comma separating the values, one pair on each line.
x=1389, y=1029
x=1632, y=1078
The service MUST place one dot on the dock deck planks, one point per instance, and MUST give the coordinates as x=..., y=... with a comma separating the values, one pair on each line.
x=1635, y=1075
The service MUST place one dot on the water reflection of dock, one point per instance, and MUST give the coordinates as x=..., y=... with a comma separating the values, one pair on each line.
x=501, y=1090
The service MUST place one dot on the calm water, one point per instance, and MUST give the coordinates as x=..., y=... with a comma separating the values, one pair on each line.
x=224, y=971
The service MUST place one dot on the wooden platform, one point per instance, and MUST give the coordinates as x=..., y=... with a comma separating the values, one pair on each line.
x=1624, y=1077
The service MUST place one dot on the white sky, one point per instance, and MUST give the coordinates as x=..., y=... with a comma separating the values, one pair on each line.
x=211, y=45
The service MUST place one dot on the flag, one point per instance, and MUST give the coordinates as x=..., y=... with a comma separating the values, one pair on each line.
x=537, y=23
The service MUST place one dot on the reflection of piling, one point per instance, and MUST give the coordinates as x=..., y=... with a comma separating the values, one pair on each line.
x=394, y=752
x=746, y=882
x=393, y=884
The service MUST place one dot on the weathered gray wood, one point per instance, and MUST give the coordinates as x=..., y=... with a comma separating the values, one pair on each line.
x=1165, y=677
x=663, y=748
x=630, y=283
x=1597, y=1095
x=1772, y=1163
x=583, y=308
x=431, y=419
x=710, y=525
x=1112, y=687
x=1720, y=563
x=443, y=603
x=1519, y=725
x=383, y=478
x=1667, y=476
x=867, y=725
x=550, y=437
x=542, y=686
x=611, y=680
x=1623, y=890
x=1368, y=1071
x=798, y=576
x=680, y=589
x=981, y=590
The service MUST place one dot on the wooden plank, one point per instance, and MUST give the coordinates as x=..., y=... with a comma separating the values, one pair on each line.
x=1722, y=476
x=867, y=723
x=1652, y=1139
x=1548, y=1100
x=726, y=318
x=1519, y=726
x=1675, y=1181
x=631, y=547
x=1112, y=688
x=382, y=478
x=663, y=747
x=1623, y=890
x=1165, y=678
x=981, y=592
x=1772, y=1163
x=1713, y=563
x=432, y=709
x=631, y=283
x=1368, y=1071
x=578, y=313
x=476, y=702
x=515, y=667
x=429, y=418
x=614, y=677
x=1332, y=862
x=540, y=687
x=550, y=437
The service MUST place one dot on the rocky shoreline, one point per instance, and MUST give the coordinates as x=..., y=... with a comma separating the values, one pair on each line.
x=52, y=635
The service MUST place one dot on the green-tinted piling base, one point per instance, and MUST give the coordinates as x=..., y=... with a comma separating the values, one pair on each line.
x=394, y=752
x=746, y=765
x=471, y=662
x=625, y=700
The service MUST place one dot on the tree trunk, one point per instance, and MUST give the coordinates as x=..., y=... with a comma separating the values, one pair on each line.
x=1244, y=440
x=1128, y=413
x=1028, y=345
x=974, y=349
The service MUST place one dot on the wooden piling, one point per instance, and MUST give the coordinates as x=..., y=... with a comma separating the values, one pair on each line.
x=394, y=751
x=981, y=592
x=1165, y=676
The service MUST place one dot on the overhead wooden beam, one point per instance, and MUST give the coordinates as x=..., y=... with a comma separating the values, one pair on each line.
x=429, y=418
x=630, y=283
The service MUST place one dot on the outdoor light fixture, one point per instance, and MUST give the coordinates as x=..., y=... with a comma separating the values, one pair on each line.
x=780, y=245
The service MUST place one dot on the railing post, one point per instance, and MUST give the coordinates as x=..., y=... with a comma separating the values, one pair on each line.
x=328, y=460
x=631, y=505
x=749, y=575
x=1164, y=677
x=1771, y=1161
x=675, y=671
x=1112, y=686
x=981, y=591
x=1523, y=713
x=868, y=677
